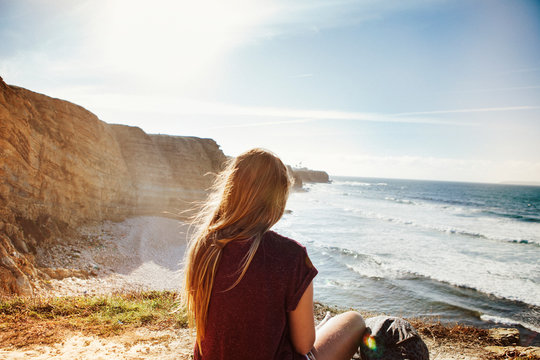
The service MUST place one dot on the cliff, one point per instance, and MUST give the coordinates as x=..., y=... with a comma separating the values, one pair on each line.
x=60, y=166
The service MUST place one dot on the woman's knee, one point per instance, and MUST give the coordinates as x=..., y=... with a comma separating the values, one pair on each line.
x=340, y=337
x=355, y=320
x=349, y=324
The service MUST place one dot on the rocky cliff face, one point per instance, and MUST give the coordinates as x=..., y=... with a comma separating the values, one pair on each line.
x=60, y=166
x=167, y=173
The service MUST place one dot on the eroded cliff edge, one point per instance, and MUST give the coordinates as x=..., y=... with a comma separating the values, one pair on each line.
x=60, y=166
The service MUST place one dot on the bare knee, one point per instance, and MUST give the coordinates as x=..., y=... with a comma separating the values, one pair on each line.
x=351, y=324
x=355, y=322
x=354, y=316
x=340, y=337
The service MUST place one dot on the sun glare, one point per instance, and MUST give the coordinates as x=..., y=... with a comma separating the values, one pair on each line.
x=178, y=41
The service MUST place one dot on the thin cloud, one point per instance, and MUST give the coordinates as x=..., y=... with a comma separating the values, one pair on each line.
x=477, y=110
x=532, y=87
x=306, y=115
x=259, y=116
x=302, y=76
x=266, y=123
x=264, y=116
x=310, y=115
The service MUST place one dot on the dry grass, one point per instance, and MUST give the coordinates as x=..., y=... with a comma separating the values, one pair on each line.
x=26, y=321
x=452, y=332
x=47, y=321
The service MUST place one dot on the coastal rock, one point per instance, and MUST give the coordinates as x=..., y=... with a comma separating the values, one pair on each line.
x=297, y=185
x=310, y=176
x=530, y=352
x=62, y=273
x=504, y=336
x=61, y=167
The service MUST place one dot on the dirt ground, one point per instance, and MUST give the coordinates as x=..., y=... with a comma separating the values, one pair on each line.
x=140, y=343
x=143, y=343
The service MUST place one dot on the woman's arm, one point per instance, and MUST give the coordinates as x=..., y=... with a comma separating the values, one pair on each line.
x=302, y=323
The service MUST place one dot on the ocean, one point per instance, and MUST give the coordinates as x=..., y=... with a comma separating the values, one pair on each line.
x=459, y=252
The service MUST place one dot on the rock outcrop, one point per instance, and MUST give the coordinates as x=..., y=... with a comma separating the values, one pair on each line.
x=167, y=173
x=60, y=166
x=504, y=336
x=313, y=176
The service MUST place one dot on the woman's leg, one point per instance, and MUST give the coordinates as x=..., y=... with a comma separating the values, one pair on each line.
x=340, y=337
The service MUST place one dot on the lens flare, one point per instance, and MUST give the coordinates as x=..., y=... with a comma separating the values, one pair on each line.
x=370, y=342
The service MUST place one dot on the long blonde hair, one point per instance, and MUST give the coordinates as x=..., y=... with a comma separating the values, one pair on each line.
x=249, y=197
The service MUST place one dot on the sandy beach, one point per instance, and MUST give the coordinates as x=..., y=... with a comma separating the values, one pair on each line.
x=144, y=253
x=140, y=253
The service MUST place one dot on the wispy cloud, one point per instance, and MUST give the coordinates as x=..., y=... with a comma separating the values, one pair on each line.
x=532, y=87
x=265, y=116
x=524, y=70
x=259, y=116
x=265, y=123
x=475, y=110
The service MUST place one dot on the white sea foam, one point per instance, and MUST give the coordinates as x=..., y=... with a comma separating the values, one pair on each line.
x=430, y=219
x=487, y=276
x=509, y=322
x=517, y=290
x=400, y=201
x=352, y=183
x=358, y=183
x=378, y=272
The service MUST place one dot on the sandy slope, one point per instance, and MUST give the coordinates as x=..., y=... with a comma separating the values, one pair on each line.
x=139, y=253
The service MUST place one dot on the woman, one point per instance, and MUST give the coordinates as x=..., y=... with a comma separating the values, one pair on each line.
x=249, y=290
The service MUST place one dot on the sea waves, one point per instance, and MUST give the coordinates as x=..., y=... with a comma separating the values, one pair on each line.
x=509, y=230
x=487, y=278
x=415, y=246
x=509, y=322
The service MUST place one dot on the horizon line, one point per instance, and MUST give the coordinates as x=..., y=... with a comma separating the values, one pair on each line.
x=505, y=182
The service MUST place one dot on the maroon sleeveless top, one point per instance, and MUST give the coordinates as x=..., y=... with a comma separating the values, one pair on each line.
x=250, y=321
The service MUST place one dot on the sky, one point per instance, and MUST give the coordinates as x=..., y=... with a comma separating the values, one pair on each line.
x=415, y=89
